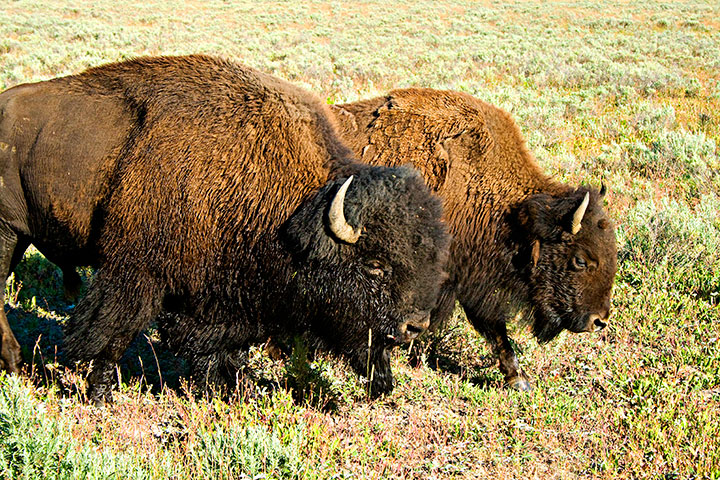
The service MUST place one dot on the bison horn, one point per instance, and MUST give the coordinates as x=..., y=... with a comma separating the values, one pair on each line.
x=603, y=189
x=338, y=225
x=580, y=213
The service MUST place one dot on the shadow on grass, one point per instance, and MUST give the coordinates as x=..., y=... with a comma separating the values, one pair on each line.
x=449, y=350
x=38, y=311
x=40, y=334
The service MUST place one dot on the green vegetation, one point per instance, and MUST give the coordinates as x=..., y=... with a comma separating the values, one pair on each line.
x=624, y=93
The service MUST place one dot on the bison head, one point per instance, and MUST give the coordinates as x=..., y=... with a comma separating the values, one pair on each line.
x=369, y=255
x=573, y=260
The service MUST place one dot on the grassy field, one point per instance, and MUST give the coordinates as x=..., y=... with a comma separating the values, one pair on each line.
x=603, y=91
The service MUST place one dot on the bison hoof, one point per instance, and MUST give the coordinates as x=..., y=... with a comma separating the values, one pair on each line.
x=99, y=395
x=519, y=383
x=380, y=386
x=100, y=382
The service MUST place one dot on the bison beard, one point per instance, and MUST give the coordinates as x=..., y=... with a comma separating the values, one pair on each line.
x=201, y=191
x=520, y=239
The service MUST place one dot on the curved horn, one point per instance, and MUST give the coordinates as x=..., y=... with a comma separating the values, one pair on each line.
x=579, y=214
x=338, y=225
x=603, y=189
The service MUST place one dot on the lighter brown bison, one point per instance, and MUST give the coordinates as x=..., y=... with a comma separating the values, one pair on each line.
x=521, y=239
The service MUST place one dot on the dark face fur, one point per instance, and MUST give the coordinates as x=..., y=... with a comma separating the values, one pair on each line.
x=387, y=282
x=572, y=274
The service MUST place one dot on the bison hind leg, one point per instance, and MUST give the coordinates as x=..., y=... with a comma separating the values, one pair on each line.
x=12, y=248
x=220, y=373
x=116, y=308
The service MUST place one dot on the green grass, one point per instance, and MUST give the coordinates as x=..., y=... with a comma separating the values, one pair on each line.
x=625, y=93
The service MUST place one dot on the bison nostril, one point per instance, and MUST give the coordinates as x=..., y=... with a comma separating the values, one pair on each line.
x=595, y=323
x=413, y=326
x=411, y=329
x=414, y=329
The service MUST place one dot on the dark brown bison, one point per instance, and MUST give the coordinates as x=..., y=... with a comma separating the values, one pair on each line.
x=521, y=240
x=219, y=199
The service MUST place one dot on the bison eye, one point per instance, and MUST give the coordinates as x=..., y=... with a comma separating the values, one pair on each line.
x=579, y=263
x=377, y=269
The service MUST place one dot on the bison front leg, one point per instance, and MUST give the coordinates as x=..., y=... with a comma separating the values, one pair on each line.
x=495, y=332
x=10, y=356
x=220, y=373
x=11, y=252
x=376, y=370
x=514, y=377
x=213, y=347
x=209, y=373
x=115, y=309
x=444, y=308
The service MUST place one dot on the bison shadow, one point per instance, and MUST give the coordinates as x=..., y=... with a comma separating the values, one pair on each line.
x=454, y=347
x=38, y=311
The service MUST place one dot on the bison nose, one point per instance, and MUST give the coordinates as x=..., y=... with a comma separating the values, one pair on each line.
x=597, y=322
x=412, y=327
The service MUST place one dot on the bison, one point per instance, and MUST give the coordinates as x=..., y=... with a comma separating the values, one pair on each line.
x=220, y=200
x=521, y=241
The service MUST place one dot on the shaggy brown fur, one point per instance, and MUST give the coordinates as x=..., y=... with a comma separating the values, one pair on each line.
x=200, y=188
x=512, y=244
